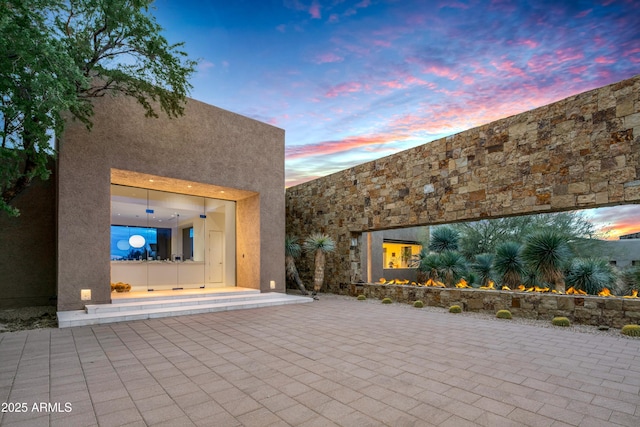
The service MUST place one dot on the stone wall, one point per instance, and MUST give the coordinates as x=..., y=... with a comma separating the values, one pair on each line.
x=589, y=310
x=580, y=152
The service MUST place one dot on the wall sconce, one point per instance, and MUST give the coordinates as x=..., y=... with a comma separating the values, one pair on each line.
x=85, y=294
x=272, y=284
x=354, y=242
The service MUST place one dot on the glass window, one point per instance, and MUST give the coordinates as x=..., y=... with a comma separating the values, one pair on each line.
x=399, y=254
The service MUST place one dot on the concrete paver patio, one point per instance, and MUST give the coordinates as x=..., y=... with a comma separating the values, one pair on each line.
x=335, y=362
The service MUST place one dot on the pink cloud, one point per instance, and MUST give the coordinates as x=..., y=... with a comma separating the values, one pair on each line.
x=442, y=71
x=333, y=147
x=584, y=13
x=343, y=88
x=314, y=11
x=383, y=43
x=603, y=60
x=568, y=54
x=325, y=58
x=508, y=67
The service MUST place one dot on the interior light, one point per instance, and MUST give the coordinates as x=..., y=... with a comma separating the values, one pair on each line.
x=137, y=241
x=150, y=180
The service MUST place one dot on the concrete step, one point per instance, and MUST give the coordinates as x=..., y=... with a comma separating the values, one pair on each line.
x=157, y=309
x=152, y=303
x=183, y=294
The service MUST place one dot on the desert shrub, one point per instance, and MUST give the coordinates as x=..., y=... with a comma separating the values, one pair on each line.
x=503, y=314
x=387, y=301
x=418, y=304
x=455, y=309
x=361, y=297
x=631, y=330
x=560, y=321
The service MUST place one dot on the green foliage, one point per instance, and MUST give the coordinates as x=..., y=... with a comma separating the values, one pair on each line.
x=429, y=264
x=503, y=314
x=546, y=253
x=560, y=321
x=361, y=297
x=387, y=301
x=590, y=275
x=483, y=266
x=292, y=246
x=418, y=304
x=444, y=238
x=631, y=330
x=56, y=56
x=485, y=236
x=319, y=242
x=452, y=266
x=630, y=278
x=508, y=263
x=455, y=309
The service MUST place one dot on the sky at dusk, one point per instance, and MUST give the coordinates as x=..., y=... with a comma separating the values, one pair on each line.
x=353, y=81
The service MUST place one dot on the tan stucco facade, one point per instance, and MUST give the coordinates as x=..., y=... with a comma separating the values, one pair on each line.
x=210, y=149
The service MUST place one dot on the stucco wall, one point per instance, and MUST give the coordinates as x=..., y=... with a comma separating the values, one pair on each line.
x=28, y=248
x=207, y=145
x=580, y=152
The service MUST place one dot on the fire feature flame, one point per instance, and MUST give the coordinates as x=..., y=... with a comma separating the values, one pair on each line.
x=605, y=293
x=634, y=294
x=462, y=284
x=572, y=291
x=490, y=285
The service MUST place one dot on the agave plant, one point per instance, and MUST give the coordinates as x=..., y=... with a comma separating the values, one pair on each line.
x=591, y=275
x=452, y=267
x=508, y=264
x=546, y=253
x=292, y=250
x=483, y=266
x=444, y=239
x=319, y=244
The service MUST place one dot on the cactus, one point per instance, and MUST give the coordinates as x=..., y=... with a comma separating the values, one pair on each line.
x=361, y=297
x=418, y=304
x=387, y=301
x=455, y=309
x=503, y=314
x=631, y=330
x=560, y=321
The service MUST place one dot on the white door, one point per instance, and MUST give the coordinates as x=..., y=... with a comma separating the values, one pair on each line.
x=215, y=256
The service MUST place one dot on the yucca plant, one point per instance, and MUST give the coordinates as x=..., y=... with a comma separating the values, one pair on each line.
x=546, y=253
x=444, y=238
x=319, y=244
x=292, y=250
x=428, y=268
x=590, y=275
x=508, y=264
x=483, y=266
x=452, y=267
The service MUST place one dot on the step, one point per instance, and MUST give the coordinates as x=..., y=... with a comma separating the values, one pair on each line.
x=151, y=303
x=82, y=318
x=151, y=296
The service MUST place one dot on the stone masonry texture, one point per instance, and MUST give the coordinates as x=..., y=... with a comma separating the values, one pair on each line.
x=580, y=152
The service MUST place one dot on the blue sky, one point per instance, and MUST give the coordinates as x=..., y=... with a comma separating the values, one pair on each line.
x=352, y=81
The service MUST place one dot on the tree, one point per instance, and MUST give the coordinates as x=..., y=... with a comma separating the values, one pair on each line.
x=486, y=235
x=483, y=266
x=444, y=238
x=452, y=266
x=319, y=244
x=546, y=253
x=292, y=251
x=58, y=54
x=591, y=275
x=508, y=264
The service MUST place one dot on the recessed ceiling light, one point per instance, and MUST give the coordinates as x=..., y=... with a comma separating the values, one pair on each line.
x=150, y=180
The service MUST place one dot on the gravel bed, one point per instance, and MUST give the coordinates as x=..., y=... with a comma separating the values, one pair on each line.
x=19, y=319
